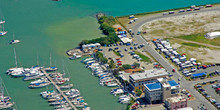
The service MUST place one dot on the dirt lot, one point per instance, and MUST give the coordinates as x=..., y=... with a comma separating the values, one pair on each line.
x=203, y=54
x=183, y=25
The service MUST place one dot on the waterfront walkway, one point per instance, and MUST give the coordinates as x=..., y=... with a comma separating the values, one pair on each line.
x=59, y=90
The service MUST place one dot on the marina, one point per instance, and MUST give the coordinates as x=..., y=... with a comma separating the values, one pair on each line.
x=40, y=29
x=68, y=99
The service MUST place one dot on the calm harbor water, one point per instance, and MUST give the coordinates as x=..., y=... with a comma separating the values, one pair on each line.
x=46, y=27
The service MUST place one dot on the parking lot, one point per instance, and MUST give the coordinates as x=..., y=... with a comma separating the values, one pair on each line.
x=212, y=93
x=127, y=54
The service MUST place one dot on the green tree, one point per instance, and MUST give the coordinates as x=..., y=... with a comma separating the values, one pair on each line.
x=102, y=19
x=138, y=92
x=112, y=64
x=137, y=65
x=104, y=60
x=126, y=66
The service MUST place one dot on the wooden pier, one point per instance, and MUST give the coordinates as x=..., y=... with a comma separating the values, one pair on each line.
x=59, y=90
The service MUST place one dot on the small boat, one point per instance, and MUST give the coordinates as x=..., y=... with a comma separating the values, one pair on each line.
x=36, y=76
x=86, y=108
x=42, y=80
x=38, y=85
x=2, y=33
x=49, y=69
x=117, y=91
x=125, y=100
x=66, y=86
x=64, y=108
x=80, y=104
x=111, y=84
x=18, y=74
x=59, y=102
x=14, y=41
x=63, y=105
x=55, y=99
x=2, y=22
x=50, y=94
x=75, y=56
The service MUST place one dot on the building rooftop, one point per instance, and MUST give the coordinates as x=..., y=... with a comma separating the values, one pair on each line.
x=175, y=99
x=153, y=86
x=186, y=108
x=149, y=74
x=172, y=83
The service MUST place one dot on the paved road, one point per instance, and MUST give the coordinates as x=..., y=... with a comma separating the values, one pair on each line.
x=184, y=84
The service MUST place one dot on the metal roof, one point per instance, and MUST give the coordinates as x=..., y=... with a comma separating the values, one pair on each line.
x=153, y=86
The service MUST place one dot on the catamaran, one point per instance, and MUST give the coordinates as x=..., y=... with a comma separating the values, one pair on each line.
x=2, y=33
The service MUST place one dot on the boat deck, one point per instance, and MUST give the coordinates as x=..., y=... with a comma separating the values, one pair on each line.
x=59, y=90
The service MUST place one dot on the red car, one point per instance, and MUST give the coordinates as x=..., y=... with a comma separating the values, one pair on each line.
x=174, y=70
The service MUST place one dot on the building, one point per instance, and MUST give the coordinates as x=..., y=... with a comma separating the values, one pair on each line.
x=88, y=47
x=138, y=80
x=175, y=103
x=212, y=35
x=186, y=108
x=159, y=91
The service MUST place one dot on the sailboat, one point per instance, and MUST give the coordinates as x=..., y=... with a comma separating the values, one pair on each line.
x=2, y=33
x=4, y=100
x=2, y=22
x=14, y=41
x=51, y=68
x=16, y=69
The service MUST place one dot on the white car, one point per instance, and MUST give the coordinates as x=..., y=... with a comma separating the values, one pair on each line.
x=193, y=69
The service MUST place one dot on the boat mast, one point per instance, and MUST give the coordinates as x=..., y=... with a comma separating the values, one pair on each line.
x=50, y=59
x=37, y=59
x=3, y=27
x=16, y=63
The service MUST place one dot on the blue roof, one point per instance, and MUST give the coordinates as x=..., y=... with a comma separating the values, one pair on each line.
x=172, y=83
x=198, y=74
x=154, y=86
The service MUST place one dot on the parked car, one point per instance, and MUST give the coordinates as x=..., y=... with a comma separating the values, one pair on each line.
x=173, y=70
x=193, y=69
x=110, y=49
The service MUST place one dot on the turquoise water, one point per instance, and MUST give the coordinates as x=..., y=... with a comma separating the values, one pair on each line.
x=45, y=27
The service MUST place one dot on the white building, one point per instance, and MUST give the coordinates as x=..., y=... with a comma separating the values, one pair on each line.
x=138, y=80
x=212, y=35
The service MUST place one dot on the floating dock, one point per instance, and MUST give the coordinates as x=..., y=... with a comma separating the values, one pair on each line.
x=59, y=90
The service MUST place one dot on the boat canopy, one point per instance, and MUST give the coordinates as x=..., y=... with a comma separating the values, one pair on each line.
x=53, y=67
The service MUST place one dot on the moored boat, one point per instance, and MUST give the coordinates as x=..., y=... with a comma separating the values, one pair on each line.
x=38, y=85
x=66, y=86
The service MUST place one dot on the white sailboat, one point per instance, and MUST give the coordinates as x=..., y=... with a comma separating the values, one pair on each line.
x=5, y=102
x=51, y=68
x=2, y=33
x=14, y=41
x=16, y=69
x=2, y=22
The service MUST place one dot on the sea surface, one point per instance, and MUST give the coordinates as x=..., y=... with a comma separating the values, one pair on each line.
x=47, y=27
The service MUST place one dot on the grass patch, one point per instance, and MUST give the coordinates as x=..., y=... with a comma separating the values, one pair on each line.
x=193, y=45
x=116, y=53
x=143, y=57
x=201, y=38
